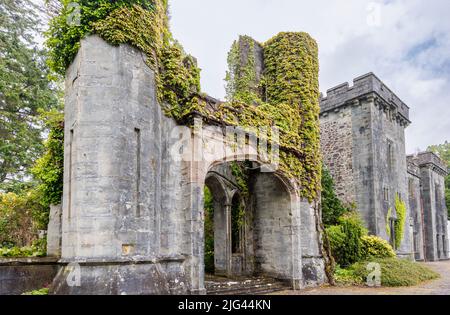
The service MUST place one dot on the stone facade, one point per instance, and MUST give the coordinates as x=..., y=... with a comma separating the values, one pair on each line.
x=434, y=218
x=133, y=214
x=363, y=142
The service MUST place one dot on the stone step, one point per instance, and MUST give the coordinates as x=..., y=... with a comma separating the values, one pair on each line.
x=256, y=286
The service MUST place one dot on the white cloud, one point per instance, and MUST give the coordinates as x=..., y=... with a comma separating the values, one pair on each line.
x=409, y=49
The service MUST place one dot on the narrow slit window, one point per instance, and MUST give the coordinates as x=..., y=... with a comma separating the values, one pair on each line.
x=137, y=132
x=69, y=203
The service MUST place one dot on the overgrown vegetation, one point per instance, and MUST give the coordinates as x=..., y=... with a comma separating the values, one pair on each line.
x=443, y=151
x=49, y=169
x=332, y=207
x=20, y=219
x=25, y=89
x=38, y=248
x=353, y=249
x=396, y=272
x=141, y=24
x=242, y=80
x=209, y=231
x=346, y=239
x=77, y=19
x=24, y=214
x=286, y=96
x=400, y=209
x=43, y=291
x=376, y=247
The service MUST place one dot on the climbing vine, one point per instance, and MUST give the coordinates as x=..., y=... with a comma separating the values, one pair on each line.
x=240, y=172
x=399, y=225
x=388, y=225
x=242, y=82
x=290, y=77
x=291, y=85
x=141, y=24
x=400, y=208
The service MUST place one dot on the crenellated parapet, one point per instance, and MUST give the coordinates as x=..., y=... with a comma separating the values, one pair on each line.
x=430, y=160
x=366, y=87
x=412, y=167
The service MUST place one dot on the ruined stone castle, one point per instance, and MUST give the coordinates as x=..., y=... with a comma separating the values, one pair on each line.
x=363, y=142
x=133, y=204
x=133, y=213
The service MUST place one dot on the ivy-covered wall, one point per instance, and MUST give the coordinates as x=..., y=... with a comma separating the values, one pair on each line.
x=139, y=23
x=285, y=91
x=282, y=92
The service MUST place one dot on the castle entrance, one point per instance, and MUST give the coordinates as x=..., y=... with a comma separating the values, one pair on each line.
x=249, y=229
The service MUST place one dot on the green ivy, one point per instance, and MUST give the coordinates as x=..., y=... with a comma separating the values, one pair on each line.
x=141, y=24
x=388, y=223
x=49, y=169
x=209, y=230
x=292, y=91
x=400, y=208
x=290, y=78
x=64, y=34
x=242, y=84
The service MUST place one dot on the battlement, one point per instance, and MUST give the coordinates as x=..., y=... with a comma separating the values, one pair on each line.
x=412, y=167
x=425, y=159
x=363, y=86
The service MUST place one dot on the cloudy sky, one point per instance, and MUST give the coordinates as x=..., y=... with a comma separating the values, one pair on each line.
x=405, y=42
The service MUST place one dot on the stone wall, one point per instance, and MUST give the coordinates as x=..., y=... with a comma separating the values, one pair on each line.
x=336, y=138
x=118, y=170
x=133, y=211
x=18, y=276
x=432, y=173
x=363, y=142
x=416, y=209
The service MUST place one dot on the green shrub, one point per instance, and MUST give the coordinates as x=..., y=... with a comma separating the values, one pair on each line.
x=43, y=291
x=332, y=207
x=396, y=272
x=376, y=247
x=346, y=239
x=346, y=277
x=19, y=218
x=36, y=250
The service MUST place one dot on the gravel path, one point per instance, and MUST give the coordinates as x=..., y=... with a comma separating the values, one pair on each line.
x=440, y=286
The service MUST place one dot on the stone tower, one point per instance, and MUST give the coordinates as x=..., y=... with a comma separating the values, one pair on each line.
x=429, y=215
x=363, y=142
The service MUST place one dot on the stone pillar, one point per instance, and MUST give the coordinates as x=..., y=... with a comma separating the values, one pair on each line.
x=116, y=143
x=54, y=231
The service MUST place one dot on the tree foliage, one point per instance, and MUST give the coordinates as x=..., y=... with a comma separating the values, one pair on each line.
x=25, y=89
x=49, y=169
x=18, y=223
x=346, y=239
x=73, y=20
x=332, y=207
x=443, y=151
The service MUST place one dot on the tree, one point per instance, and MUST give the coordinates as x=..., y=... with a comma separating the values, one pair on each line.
x=332, y=207
x=443, y=151
x=25, y=89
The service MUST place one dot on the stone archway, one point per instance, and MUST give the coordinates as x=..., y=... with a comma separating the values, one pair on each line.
x=267, y=243
x=133, y=214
